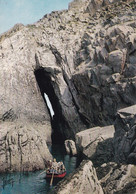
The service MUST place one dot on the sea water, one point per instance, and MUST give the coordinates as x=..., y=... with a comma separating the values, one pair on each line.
x=34, y=182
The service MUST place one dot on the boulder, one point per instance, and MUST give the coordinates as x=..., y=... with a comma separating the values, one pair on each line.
x=125, y=133
x=70, y=147
x=83, y=180
x=23, y=147
x=116, y=60
x=96, y=144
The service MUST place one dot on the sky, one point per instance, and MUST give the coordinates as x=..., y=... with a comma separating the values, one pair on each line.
x=26, y=11
x=49, y=104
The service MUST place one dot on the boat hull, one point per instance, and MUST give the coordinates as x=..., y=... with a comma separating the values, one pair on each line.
x=49, y=175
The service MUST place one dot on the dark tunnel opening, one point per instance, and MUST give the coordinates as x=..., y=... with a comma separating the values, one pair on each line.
x=47, y=91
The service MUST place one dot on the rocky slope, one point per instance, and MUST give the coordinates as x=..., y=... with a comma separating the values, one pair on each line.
x=82, y=58
x=117, y=179
x=112, y=150
x=125, y=135
x=110, y=178
x=83, y=180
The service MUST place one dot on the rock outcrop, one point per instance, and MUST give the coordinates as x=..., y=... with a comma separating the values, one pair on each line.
x=22, y=148
x=96, y=144
x=82, y=58
x=22, y=109
x=125, y=135
x=84, y=180
x=117, y=179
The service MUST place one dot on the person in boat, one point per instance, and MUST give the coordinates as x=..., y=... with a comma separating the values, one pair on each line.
x=54, y=166
x=61, y=167
x=49, y=164
x=48, y=167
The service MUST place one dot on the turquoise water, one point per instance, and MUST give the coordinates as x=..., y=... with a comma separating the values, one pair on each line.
x=33, y=182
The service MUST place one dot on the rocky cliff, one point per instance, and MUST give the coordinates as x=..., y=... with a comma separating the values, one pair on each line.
x=109, y=178
x=83, y=58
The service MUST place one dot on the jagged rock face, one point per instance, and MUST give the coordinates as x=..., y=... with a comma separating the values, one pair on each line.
x=107, y=86
x=96, y=144
x=84, y=180
x=84, y=63
x=117, y=178
x=125, y=135
x=96, y=84
x=23, y=147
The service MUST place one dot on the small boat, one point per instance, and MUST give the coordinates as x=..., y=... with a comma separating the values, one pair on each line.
x=56, y=175
x=56, y=171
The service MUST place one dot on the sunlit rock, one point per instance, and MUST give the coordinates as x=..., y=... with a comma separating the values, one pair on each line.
x=70, y=147
x=96, y=144
x=83, y=180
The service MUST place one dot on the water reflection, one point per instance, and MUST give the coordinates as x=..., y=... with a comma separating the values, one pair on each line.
x=59, y=153
x=20, y=183
x=34, y=182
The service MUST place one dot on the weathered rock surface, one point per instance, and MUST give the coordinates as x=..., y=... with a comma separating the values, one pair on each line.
x=125, y=135
x=96, y=144
x=22, y=148
x=117, y=179
x=83, y=180
x=19, y=91
x=70, y=147
x=23, y=114
x=82, y=58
